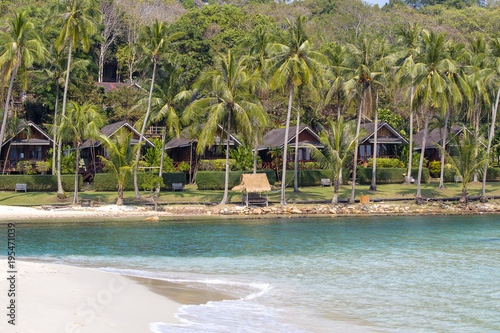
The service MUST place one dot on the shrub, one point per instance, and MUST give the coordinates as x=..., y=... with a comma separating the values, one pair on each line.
x=183, y=167
x=214, y=180
x=493, y=175
x=435, y=168
x=108, y=182
x=42, y=167
x=386, y=163
x=311, y=166
x=25, y=167
x=388, y=175
x=215, y=165
x=46, y=183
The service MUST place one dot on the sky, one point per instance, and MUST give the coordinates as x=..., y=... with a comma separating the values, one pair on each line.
x=380, y=3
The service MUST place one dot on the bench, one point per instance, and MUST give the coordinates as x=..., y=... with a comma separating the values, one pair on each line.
x=457, y=179
x=96, y=203
x=21, y=187
x=326, y=182
x=85, y=202
x=255, y=199
x=177, y=186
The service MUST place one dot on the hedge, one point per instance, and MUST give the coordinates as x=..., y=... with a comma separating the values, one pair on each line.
x=388, y=175
x=214, y=180
x=493, y=175
x=107, y=181
x=313, y=177
x=46, y=183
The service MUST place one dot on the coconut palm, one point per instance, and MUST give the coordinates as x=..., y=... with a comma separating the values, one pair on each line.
x=432, y=85
x=292, y=64
x=409, y=39
x=338, y=139
x=229, y=101
x=78, y=23
x=121, y=158
x=81, y=122
x=466, y=158
x=20, y=47
x=155, y=40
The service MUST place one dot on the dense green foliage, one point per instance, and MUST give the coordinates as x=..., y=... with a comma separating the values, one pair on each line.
x=388, y=175
x=214, y=180
x=39, y=182
x=108, y=182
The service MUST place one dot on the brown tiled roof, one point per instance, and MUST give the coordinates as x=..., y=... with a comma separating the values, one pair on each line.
x=276, y=137
x=435, y=136
x=184, y=141
x=108, y=86
x=370, y=129
x=32, y=141
x=111, y=129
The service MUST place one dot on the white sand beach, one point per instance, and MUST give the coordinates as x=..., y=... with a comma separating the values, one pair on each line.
x=58, y=298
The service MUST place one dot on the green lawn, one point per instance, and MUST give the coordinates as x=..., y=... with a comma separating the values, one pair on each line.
x=192, y=195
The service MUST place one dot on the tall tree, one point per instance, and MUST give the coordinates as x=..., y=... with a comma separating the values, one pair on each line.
x=432, y=86
x=80, y=123
x=338, y=140
x=229, y=101
x=78, y=23
x=292, y=64
x=110, y=30
x=155, y=41
x=20, y=47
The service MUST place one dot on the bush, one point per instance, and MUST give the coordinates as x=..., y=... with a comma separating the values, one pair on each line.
x=388, y=175
x=108, y=182
x=25, y=167
x=386, y=163
x=183, y=166
x=493, y=175
x=311, y=166
x=312, y=177
x=216, y=165
x=214, y=180
x=46, y=183
x=42, y=167
x=435, y=169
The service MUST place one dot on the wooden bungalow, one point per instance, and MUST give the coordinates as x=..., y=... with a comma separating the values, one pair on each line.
x=90, y=150
x=276, y=138
x=179, y=149
x=254, y=188
x=389, y=142
x=432, y=152
x=23, y=147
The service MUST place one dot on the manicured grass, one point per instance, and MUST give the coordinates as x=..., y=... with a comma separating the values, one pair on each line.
x=192, y=195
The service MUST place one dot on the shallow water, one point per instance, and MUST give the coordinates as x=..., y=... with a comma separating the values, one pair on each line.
x=384, y=274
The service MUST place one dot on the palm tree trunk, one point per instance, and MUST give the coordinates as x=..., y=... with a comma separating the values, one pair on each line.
x=445, y=136
x=6, y=159
x=163, y=144
x=6, y=111
x=255, y=153
x=191, y=164
x=373, y=186
x=54, y=133
x=476, y=136
x=490, y=140
x=338, y=117
x=336, y=184
x=285, y=146
x=143, y=130
x=119, y=200
x=226, y=180
x=296, y=157
x=355, y=166
x=410, y=152
x=421, y=165
x=77, y=169
x=60, y=191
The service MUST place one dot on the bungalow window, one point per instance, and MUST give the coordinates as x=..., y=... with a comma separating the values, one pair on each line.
x=35, y=153
x=13, y=153
x=362, y=151
x=308, y=154
x=301, y=153
x=369, y=150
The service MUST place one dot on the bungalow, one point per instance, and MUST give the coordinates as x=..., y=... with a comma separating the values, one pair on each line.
x=389, y=142
x=91, y=149
x=23, y=147
x=276, y=138
x=179, y=149
x=432, y=152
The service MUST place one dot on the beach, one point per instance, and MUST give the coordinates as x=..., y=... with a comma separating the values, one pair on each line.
x=61, y=298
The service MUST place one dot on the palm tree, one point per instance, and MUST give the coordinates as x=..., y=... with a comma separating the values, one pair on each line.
x=409, y=38
x=229, y=101
x=80, y=123
x=432, y=85
x=20, y=48
x=466, y=159
x=78, y=23
x=359, y=66
x=338, y=140
x=155, y=40
x=14, y=124
x=121, y=158
x=293, y=64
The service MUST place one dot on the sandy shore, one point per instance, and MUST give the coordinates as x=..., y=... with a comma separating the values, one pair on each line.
x=58, y=298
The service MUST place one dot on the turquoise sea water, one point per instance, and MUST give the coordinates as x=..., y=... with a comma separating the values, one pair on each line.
x=384, y=274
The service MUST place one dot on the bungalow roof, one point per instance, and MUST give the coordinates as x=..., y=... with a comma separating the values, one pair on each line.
x=253, y=183
x=46, y=141
x=434, y=136
x=111, y=129
x=370, y=128
x=184, y=141
x=275, y=137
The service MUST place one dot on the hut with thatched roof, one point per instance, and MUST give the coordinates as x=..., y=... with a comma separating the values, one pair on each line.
x=254, y=188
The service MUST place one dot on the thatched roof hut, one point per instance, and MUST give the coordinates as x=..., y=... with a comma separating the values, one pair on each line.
x=253, y=183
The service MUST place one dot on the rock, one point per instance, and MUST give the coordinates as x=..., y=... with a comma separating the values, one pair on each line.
x=152, y=219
